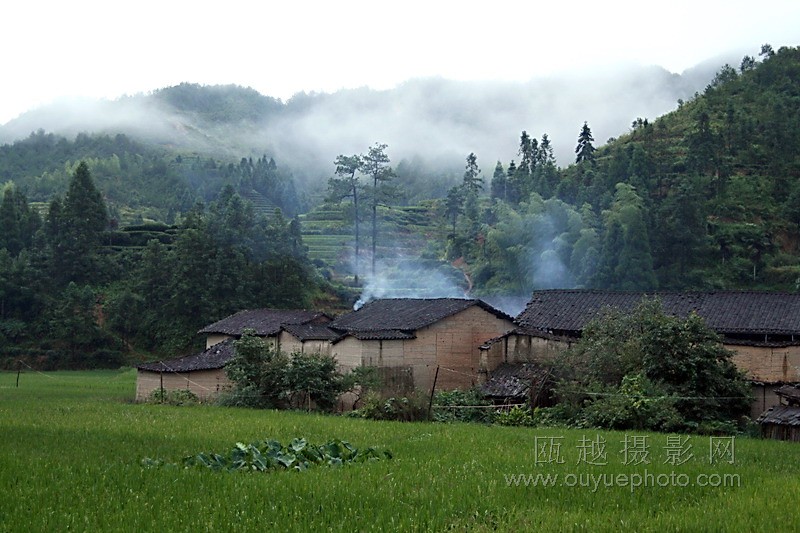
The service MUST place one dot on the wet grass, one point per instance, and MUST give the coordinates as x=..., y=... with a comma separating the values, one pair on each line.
x=72, y=445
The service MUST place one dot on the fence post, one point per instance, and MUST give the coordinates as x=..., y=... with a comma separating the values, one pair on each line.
x=433, y=389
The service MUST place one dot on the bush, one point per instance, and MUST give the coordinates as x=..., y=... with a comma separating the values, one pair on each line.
x=672, y=374
x=312, y=378
x=454, y=406
x=516, y=416
x=265, y=377
x=636, y=404
x=405, y=409
x=172, y=397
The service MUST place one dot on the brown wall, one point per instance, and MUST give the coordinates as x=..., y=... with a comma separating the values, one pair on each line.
x=288, y=344
x=452, y=344
x=204, y=383
x=521, y=349
x=768, y=364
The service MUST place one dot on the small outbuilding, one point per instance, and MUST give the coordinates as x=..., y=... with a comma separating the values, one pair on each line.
x=516, y=383
x=202, y=373
x=781, y=422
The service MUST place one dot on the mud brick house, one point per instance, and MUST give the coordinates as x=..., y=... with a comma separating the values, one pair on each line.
x=290, y=330
x=762, y=329
x=407, y=339
x=416, y=336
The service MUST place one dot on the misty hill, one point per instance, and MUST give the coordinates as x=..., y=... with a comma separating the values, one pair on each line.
x=704, y=197
x=435, y=120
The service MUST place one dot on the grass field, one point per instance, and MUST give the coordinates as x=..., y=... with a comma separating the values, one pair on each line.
x=72, y=445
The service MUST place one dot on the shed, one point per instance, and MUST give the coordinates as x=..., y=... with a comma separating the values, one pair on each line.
x=781, y=422
x=202, y=373
x=519, y=383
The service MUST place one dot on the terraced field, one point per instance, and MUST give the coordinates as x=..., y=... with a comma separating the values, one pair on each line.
x=403, y=232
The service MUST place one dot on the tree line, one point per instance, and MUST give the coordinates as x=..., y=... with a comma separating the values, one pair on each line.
x=71, y=297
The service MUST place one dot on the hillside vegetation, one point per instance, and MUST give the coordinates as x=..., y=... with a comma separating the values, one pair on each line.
x=704, y=197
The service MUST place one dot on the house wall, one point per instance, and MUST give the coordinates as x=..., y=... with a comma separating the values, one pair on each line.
x=288, y=344
x=764, y=397
x=521, y=349
x=768, y=364
x=452, y=344
x=348, y=353
x=215, y=338
x=204, y=383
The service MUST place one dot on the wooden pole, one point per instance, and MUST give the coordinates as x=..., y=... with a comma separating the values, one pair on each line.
x=433, y=389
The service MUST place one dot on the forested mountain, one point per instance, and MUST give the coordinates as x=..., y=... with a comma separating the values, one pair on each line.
x=705, y=196
x=123, y=240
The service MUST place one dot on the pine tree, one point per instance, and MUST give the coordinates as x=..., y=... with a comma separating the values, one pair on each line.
x=76, y=227
x=472, y=182
x=376, y=167
x=499, y=183
x=585, y=150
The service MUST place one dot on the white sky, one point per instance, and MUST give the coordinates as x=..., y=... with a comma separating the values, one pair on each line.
x=101, y=48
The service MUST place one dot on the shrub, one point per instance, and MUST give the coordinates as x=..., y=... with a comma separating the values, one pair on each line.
x=312, y=378
x=360, y=381
x=172, y=397
x=266, y=377
x=636, y=404
x=516, y=416
x=406, y=409
x=461, y=406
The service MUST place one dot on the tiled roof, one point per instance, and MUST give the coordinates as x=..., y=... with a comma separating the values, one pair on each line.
x=382, y=335
x=784, y=415
x=724, y=311
x=265, y=322
x=406, y=314
x=790, y=392
x=514, y=380
x=215, y=357
x=312, y=332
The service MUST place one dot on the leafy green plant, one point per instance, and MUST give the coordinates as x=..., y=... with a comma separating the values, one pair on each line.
x=461, y=406
x=516, y=416
x=405, y=408
x=173, y=397
x=270, y=455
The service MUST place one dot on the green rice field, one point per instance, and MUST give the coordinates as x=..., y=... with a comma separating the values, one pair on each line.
x=73, y=442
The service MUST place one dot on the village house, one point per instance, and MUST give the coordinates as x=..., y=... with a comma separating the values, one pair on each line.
x=761, y=329
x=414, y=337
x=289, y=330
x=406, y=339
